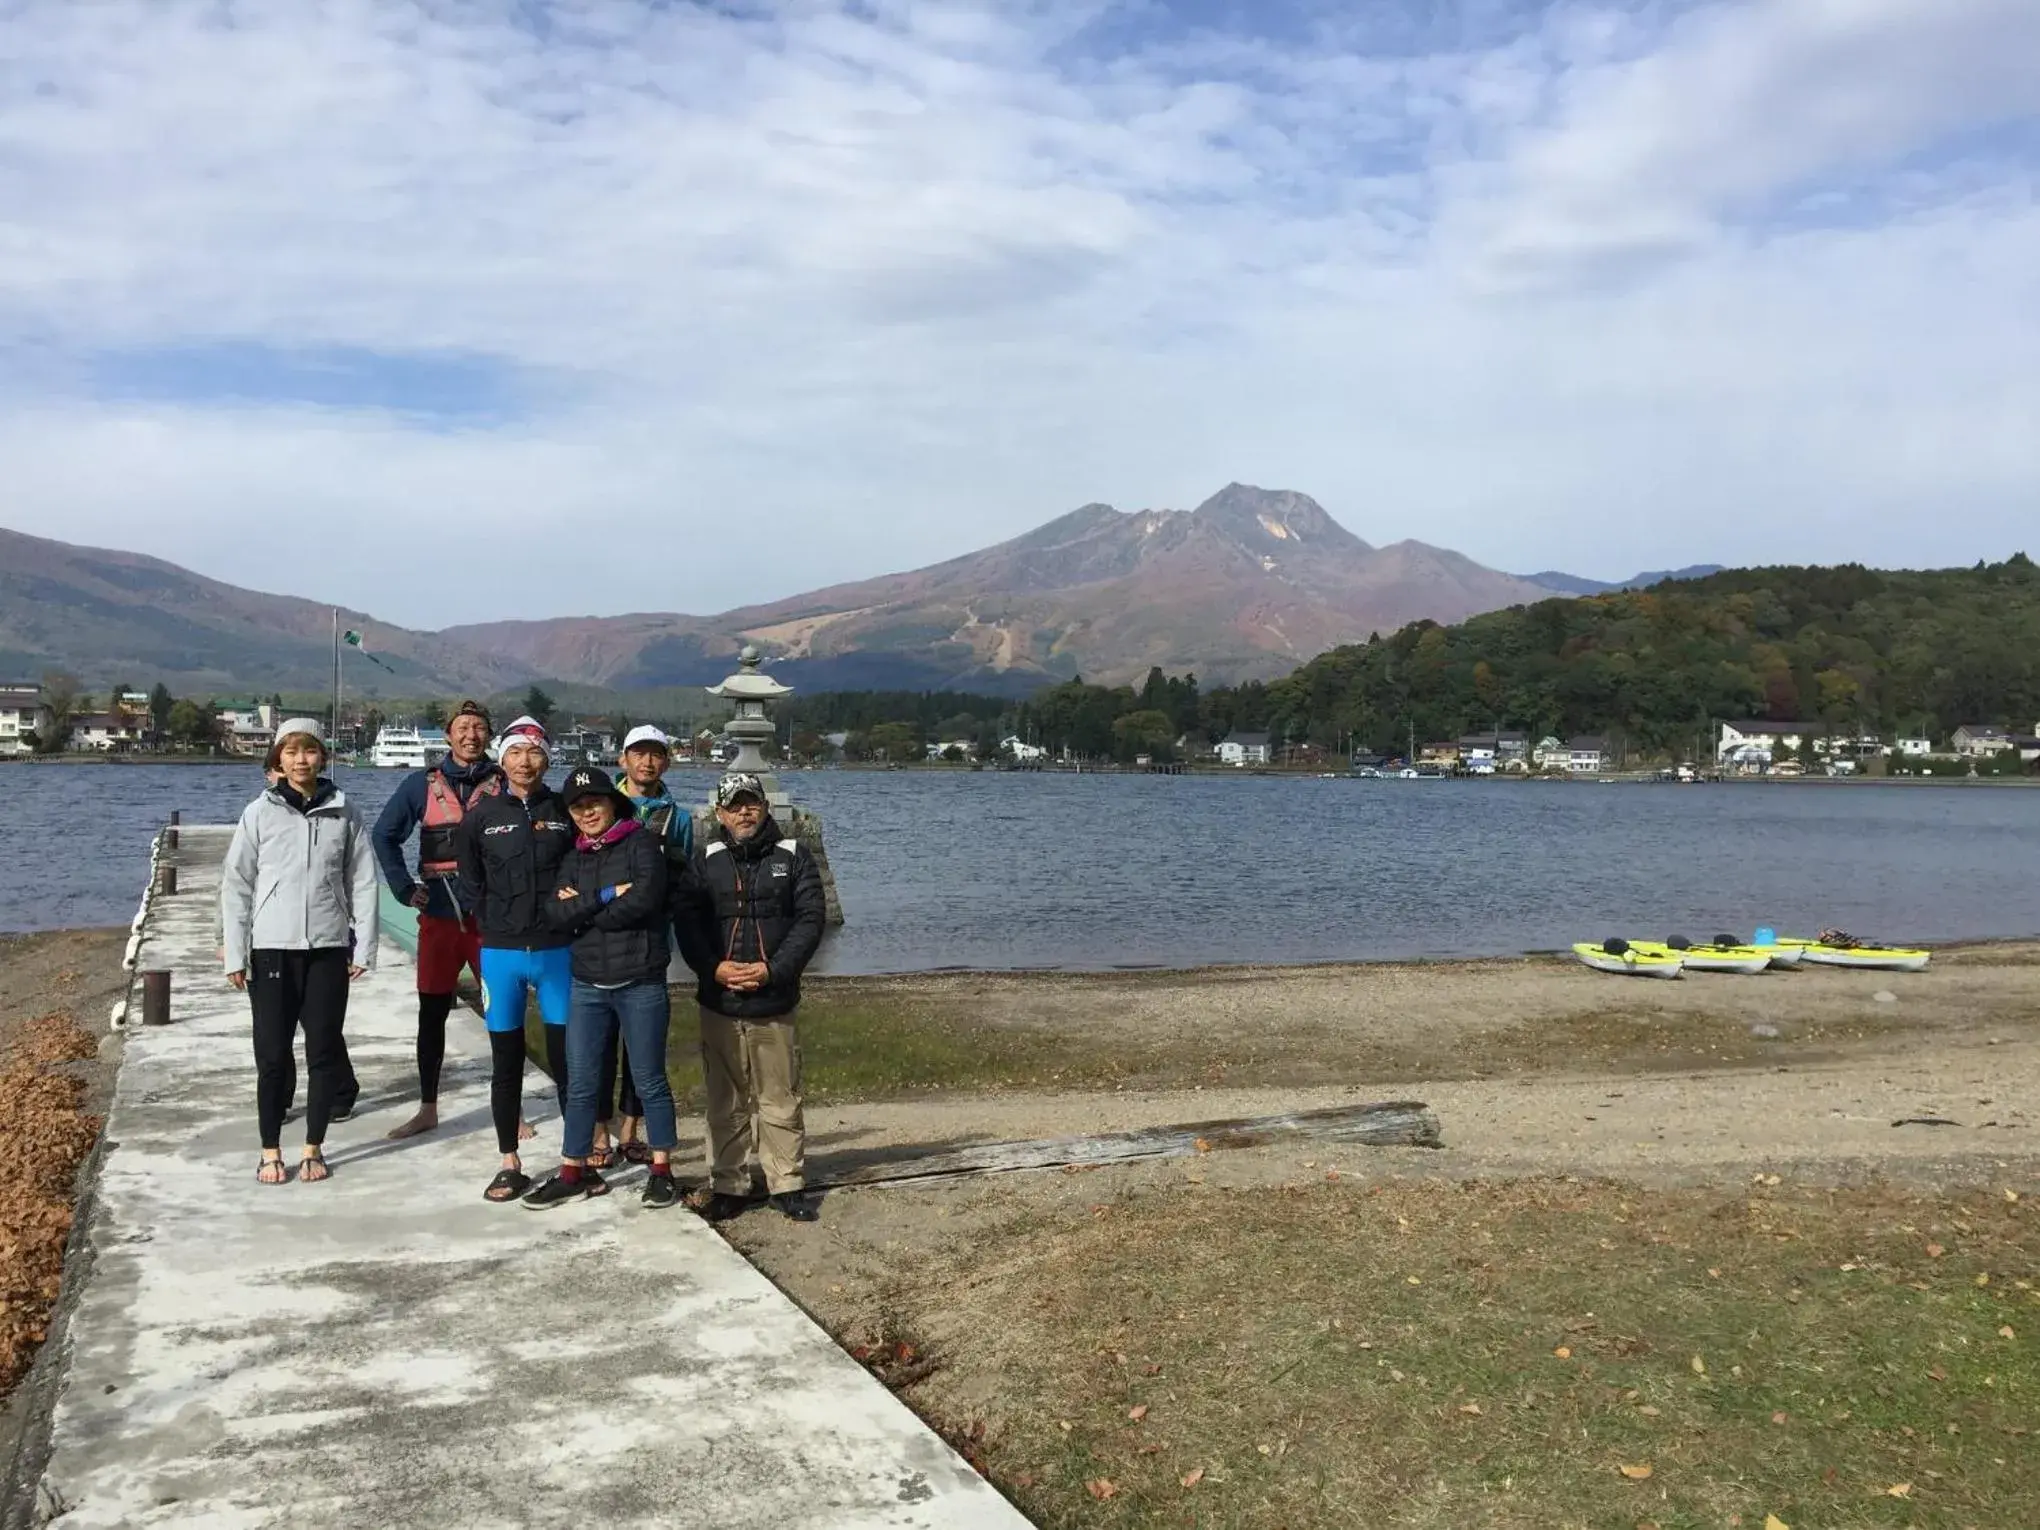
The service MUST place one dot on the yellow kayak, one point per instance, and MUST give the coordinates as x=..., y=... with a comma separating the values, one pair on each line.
x=1623, y=957
x=1707, y=956
x=1837, y=950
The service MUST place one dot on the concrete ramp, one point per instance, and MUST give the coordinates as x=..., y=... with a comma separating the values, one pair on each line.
x=386, y=1348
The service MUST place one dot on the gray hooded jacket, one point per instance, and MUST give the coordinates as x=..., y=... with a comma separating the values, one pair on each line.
x=298, y=881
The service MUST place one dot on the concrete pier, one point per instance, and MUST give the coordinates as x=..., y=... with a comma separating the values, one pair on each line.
x=386, y=1348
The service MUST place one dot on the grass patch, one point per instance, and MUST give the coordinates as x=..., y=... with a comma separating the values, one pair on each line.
x=856, y=1048
x=1454, y=1355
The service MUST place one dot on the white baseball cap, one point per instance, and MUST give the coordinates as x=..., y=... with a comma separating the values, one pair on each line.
x=645, y=733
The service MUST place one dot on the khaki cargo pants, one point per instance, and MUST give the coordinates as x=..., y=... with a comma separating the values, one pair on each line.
x=751, y=1072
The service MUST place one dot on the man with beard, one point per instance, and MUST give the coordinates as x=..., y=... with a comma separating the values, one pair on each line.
x=749, y=920
x=435, y=801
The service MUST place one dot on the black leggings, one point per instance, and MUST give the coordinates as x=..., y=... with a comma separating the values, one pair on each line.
x=612, y=1101
x=287, y=989
x=506, y=1079
x=433, y=1008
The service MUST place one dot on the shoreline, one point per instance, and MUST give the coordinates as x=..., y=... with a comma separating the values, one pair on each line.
x=1310, y=967
x=1644, y=777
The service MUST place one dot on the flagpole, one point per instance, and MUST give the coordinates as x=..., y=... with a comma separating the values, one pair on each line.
x=333, y=731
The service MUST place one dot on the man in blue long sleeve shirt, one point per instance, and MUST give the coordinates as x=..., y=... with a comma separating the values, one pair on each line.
x=433, y=802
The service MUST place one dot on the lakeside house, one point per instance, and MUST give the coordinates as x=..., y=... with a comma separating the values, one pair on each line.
x=1238, y=749
x=1585, y=756
x=938, y=749
x=1976, y=740
x=584, y=743
x=1441, y=756
x=1749, y=746
x=107, y=732
x=1479, y=753
x=1017, y=748
x=21, y=713
x=1549, y=753
x=247, y=727
x=1911, y=748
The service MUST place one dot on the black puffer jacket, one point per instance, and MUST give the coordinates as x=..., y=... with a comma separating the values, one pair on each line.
x=760, y=900
x=623, y=940
x=510, y=849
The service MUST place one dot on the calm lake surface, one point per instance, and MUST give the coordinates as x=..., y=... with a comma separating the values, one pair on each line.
x=1012, y=870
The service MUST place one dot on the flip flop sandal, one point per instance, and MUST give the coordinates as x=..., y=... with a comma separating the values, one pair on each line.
x=601, y=1158
x=320, y=1160
x=263, y=1163
x=507, y=1186
x=637, y=1152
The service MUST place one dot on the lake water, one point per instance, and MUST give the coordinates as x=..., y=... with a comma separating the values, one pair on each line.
x=1019, y=870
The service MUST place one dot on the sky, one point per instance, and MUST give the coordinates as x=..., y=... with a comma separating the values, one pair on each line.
x=460, y=310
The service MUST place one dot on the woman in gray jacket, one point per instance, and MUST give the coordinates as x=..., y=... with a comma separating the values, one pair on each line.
x=298, y=912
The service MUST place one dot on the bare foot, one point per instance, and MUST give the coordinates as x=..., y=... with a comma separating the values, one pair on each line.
x=272, y=1172
x=312, y=1168
x=426, y=1120
x=525, y=1130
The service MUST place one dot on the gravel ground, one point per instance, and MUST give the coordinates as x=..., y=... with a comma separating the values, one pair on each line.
x=57, y=1063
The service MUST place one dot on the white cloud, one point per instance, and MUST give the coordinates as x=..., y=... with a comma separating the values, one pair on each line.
x=1603, y=288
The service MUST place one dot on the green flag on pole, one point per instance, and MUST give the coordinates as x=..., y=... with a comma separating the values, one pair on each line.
x=353, y=640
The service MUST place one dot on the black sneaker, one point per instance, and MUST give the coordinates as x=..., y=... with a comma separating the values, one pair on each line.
x=722, y=1208
x=555, y=1191
x=796, y=1206
x=661, y=1191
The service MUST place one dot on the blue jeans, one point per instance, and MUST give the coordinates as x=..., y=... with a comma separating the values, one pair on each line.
x=641, y=1011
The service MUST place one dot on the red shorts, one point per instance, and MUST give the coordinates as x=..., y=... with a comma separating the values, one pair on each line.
x=444, y=947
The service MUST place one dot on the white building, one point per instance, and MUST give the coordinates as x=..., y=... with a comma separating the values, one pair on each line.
x=108, y=732
x=248, y=727
x=1912, y=748
x=1751, y=745
x=938, y=749
x=21, y=712
x=1240, y=749
x=1585, y=756
x=1549, y=753
x=1975, y=740
x=1019, y=749
x=1479, y=753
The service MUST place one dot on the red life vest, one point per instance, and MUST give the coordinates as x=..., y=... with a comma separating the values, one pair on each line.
x=443, y=813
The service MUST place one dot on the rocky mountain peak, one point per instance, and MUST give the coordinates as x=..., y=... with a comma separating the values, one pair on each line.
x=1275, y=521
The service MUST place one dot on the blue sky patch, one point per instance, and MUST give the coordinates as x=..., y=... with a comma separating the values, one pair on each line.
x=451, y=387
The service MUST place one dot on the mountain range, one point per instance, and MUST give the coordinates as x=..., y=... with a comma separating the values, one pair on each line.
x=1573, y=584
x=1248, y=585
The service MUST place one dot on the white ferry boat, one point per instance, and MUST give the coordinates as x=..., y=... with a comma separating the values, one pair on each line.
x=408, y=748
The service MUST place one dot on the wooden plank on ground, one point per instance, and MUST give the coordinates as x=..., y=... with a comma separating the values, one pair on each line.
x=1393, y=1123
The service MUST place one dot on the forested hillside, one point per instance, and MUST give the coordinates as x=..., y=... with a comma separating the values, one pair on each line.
x=1848, y=646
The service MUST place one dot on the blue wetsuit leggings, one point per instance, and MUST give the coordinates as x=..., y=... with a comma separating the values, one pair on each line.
x=509, y=977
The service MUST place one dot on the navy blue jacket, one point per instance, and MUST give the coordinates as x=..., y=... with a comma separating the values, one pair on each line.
x=400, y=818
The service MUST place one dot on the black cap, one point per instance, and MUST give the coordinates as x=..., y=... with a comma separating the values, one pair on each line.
x=585, y=781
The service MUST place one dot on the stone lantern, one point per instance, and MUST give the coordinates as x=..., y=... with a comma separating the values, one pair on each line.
x=750, y=689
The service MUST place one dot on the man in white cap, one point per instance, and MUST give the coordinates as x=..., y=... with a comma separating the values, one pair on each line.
x=647, y=751
x=509, y=848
